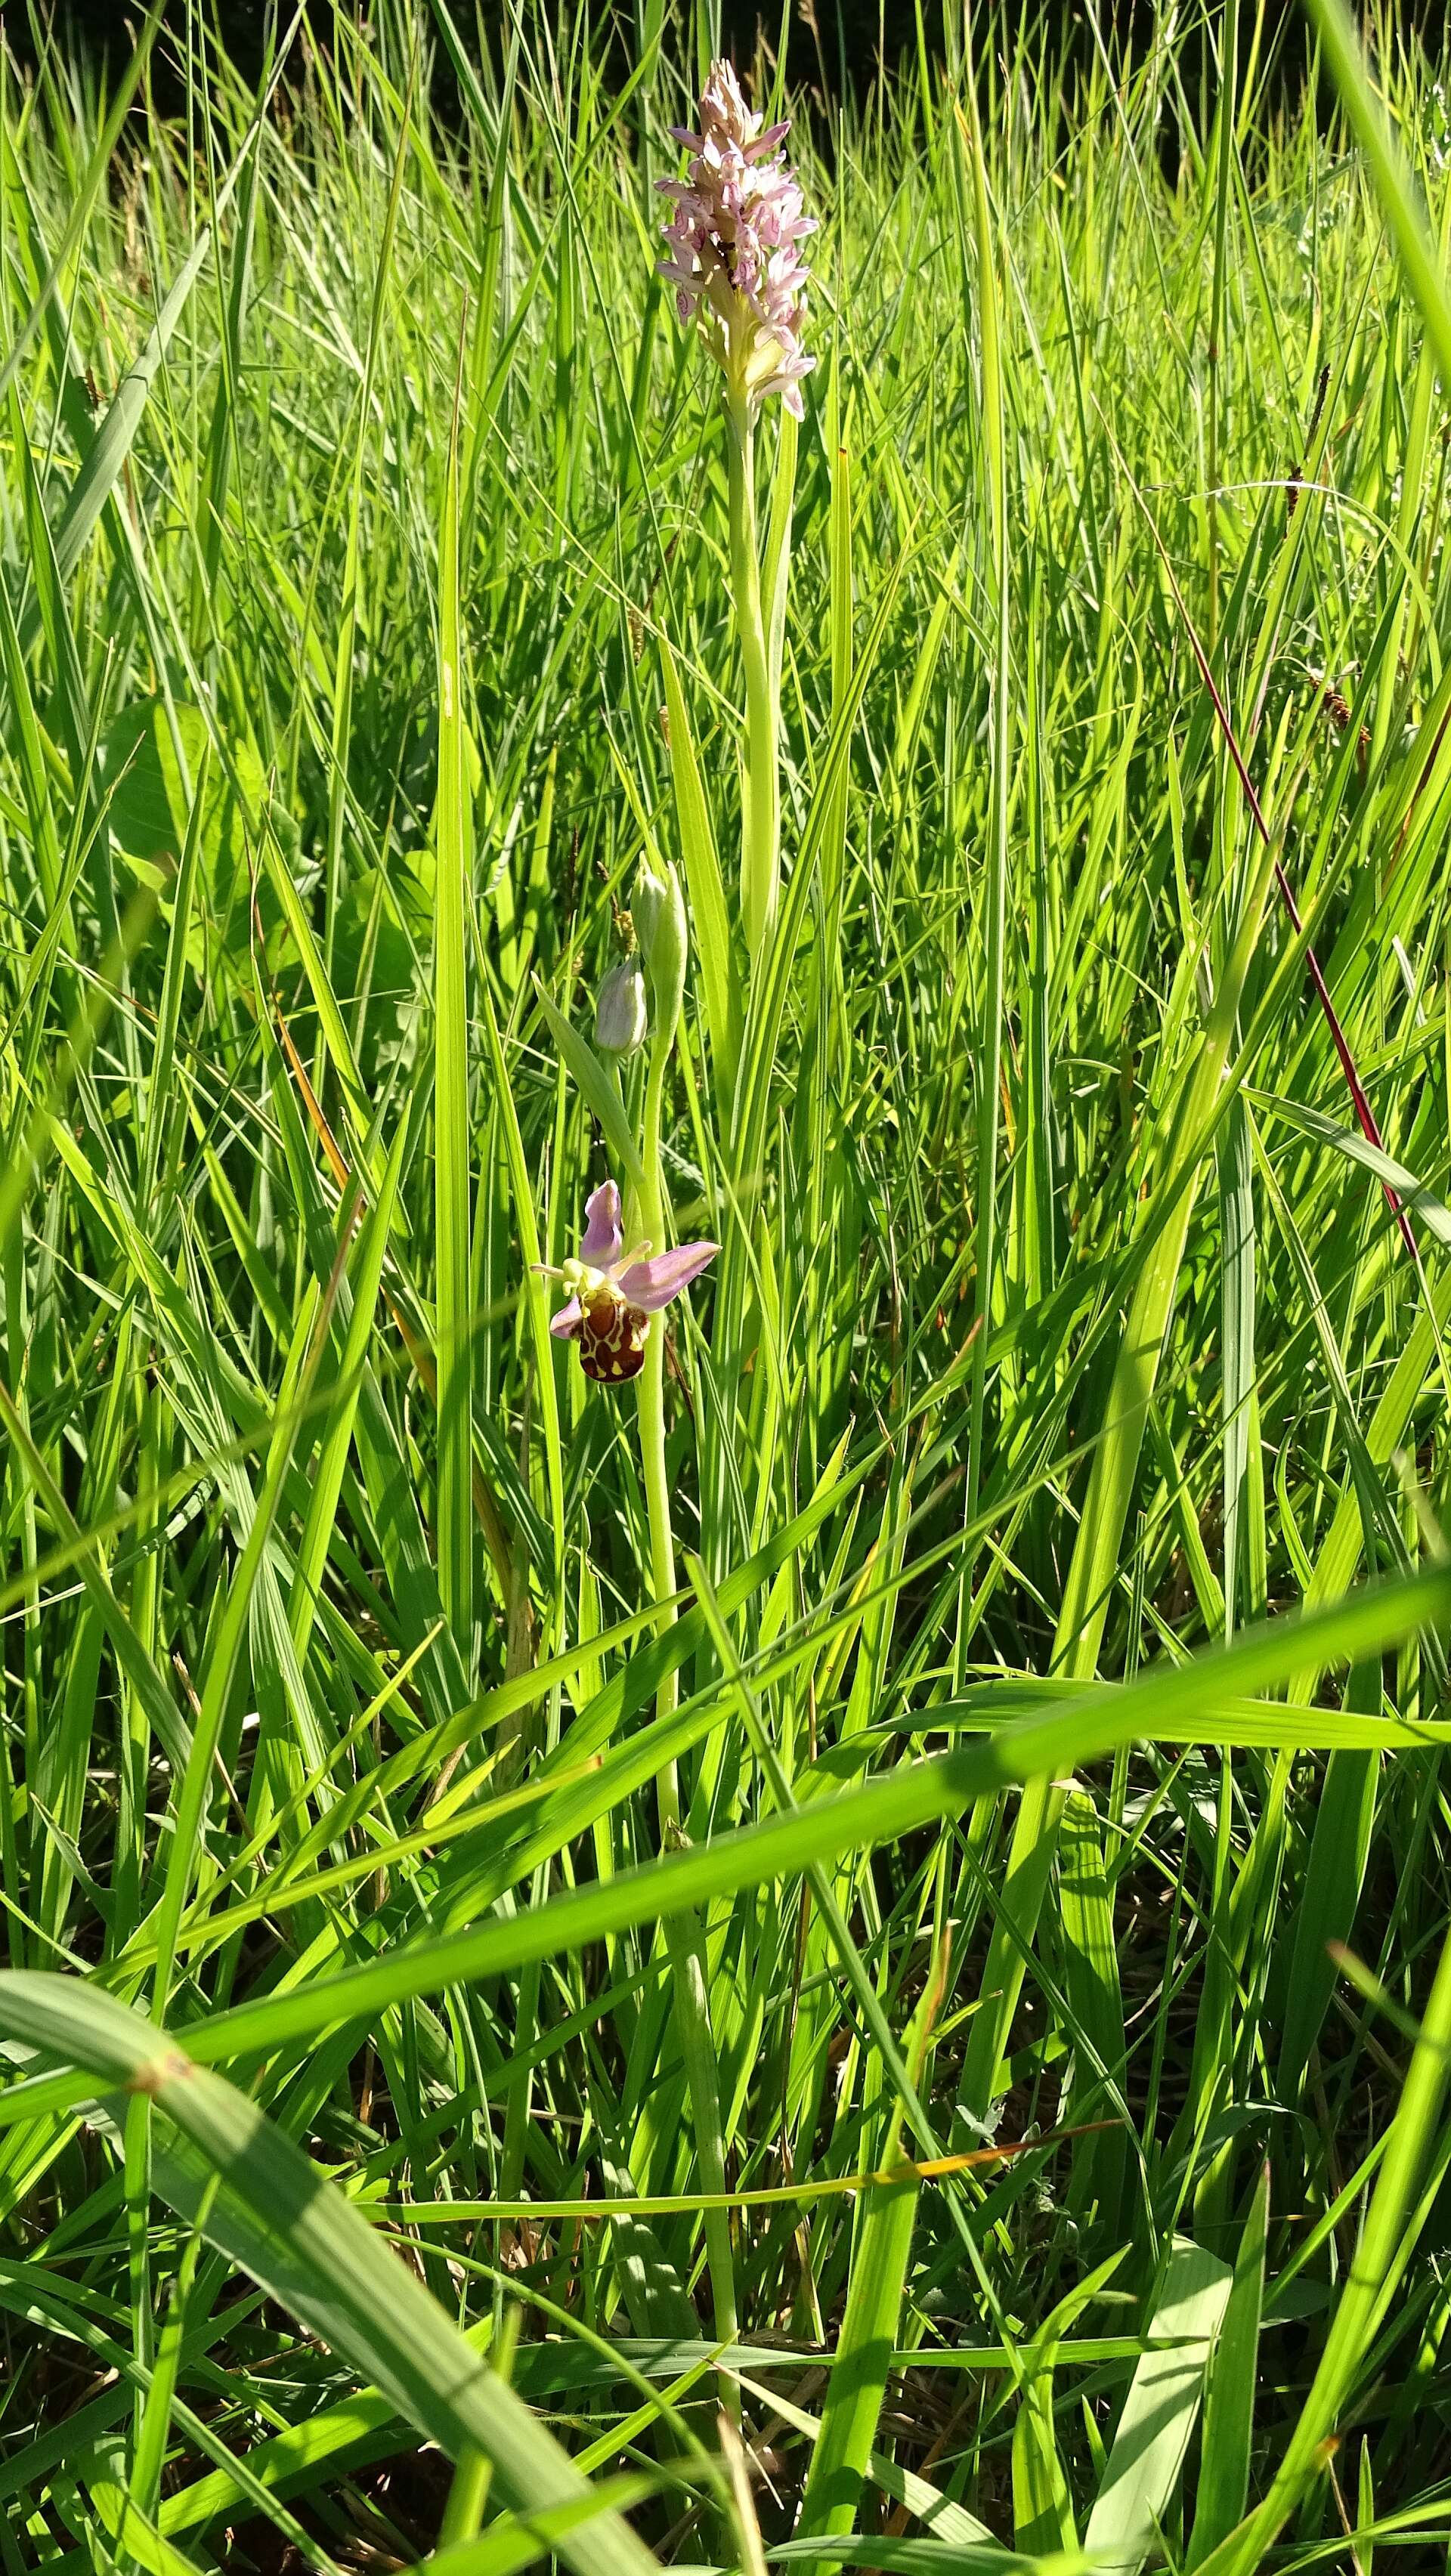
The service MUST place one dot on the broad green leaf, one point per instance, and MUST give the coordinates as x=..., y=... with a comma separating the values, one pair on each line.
x=1160, y=2411
x=1229, y=2407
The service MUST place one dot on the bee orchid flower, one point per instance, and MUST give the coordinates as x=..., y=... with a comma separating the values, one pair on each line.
x=613, y=1293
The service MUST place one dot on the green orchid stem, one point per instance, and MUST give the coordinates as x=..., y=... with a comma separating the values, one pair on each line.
x=651, y=1196
x=684, y=1934
x=761, y=818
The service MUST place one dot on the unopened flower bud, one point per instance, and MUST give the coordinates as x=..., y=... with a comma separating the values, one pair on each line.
x=622, y=1019
x=658, y=909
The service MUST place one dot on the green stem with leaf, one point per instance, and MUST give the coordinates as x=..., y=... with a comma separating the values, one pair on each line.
x=684, y=1934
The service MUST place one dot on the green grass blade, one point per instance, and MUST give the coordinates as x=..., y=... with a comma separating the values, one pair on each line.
x=453, y=1196
x=1161, y=2410
x=1229, y=2405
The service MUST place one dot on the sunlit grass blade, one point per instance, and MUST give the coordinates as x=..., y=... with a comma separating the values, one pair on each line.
x=453, y=1197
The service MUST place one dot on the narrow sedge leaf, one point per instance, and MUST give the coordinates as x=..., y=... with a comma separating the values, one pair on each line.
x=714, y=940
x=1394, y=185
x=1433, y=1213
x=114, y=439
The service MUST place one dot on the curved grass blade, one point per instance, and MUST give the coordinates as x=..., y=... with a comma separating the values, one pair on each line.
x=370, y=2306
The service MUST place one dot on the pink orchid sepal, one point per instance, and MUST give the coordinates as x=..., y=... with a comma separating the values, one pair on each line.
x=634, y=1278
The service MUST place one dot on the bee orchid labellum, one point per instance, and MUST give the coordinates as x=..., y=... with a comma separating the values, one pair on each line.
x=611, y=1335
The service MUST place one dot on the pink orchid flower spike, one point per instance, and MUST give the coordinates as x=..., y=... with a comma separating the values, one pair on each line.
x=734, y=247
x=613, y=1293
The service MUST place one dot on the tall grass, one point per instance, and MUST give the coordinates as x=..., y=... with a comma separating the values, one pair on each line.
x=936, y=2050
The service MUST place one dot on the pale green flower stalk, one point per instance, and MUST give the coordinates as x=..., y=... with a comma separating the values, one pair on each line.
x=761, y=783
x=659, y=915
x=660, y=920
x=614, y=1296
x=736, y=267
x=735, y=263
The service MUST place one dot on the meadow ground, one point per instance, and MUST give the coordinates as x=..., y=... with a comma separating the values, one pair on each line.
x=833, y=1957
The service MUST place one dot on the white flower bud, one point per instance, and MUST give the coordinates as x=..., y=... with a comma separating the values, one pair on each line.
x=622, y=1018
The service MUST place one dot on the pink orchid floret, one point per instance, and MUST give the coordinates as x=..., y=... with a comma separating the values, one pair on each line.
x=734, y=240
x=647, y=1284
